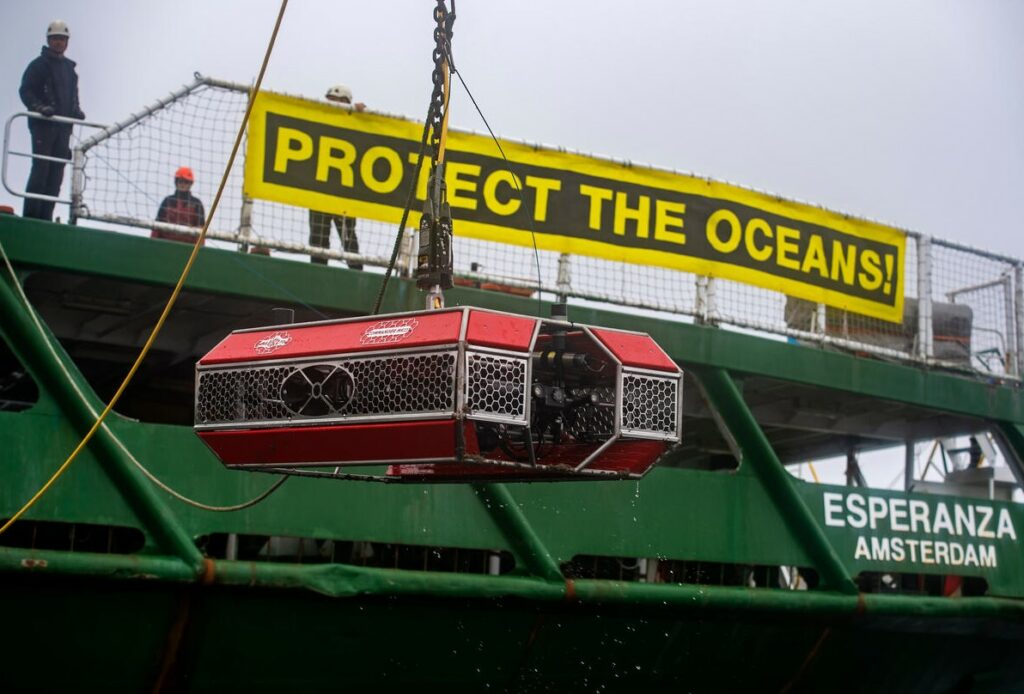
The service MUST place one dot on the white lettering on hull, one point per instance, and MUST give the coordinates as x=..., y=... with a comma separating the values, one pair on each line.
x=958, y=529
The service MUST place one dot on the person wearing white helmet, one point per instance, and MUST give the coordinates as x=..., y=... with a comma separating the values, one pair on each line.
x=340, y=94
x=320, y=222
x=49, y=87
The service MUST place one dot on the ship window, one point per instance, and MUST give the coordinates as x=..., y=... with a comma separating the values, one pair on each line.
x=18, y=390
x=73, y=537
x=308, y=550
x=658, y=570
x=934, y=585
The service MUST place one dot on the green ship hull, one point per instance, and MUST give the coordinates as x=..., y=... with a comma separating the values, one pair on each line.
x=677, y=579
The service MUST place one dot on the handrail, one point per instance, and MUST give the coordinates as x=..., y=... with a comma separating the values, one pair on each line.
x=31, y=155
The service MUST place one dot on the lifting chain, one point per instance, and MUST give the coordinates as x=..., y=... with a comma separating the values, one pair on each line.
x=434, y=259
x=442, y=63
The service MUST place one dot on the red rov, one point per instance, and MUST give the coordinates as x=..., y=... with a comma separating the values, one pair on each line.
x=451, y=395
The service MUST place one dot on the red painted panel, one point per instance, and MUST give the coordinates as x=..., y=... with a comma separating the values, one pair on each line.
x=628, y=457
x=635, y=457
x=416, y=330
x=334, y=444
x=472, y=472
x=635, y=350
x=625, y=457
x=498, y=330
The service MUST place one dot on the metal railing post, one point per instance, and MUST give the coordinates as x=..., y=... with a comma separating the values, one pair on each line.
x=1018, y=312
x=564, y=280
x=820, y=320
x=245, y=223
x=712, y=302
x=925, y=342
x=908, y=467
x=77, y=184
x=406, y=253
x=700, y=306
x=1012, y=345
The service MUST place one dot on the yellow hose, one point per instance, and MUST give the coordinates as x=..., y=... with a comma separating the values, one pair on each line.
x=814, y=473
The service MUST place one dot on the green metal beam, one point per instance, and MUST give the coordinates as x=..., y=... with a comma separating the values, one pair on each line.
x=112, y=566
x=33, y=349
x=345, y=581
x=725, y=398
x=133, y=258
x=517, y=530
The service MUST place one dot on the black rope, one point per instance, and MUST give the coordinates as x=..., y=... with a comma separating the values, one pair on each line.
x=515, y=182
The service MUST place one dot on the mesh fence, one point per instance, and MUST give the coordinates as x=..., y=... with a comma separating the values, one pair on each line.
x=973, y=311
x=128, y=174
x=972, y=296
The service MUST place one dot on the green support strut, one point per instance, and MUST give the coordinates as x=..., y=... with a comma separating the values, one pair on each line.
x=33, y=349
x=517, y=529
x=757, y=452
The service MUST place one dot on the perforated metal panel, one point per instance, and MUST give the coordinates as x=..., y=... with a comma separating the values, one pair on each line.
x=496, y=386
x=593, y=421
x=650, y=405
x=243, y=395
x=354, y=387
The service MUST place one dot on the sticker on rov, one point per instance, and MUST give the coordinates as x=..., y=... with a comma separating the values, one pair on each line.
x=272, y=343
x=388, y=331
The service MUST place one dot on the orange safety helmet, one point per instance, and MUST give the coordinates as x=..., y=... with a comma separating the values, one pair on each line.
x=184, y=173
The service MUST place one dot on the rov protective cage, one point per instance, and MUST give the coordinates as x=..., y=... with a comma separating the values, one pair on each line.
x=452, y=395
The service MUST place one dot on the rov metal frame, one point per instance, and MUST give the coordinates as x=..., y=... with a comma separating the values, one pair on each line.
x=653, y=412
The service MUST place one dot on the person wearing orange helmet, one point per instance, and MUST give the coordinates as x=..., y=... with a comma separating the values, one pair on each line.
x=180, y=208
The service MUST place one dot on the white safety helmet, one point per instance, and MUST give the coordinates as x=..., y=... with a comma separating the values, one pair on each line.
x=58, y=27
x=339, y=92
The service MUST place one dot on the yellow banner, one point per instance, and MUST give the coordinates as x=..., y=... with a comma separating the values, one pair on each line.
x=321, y=157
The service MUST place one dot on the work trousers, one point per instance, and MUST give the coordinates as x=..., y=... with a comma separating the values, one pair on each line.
x=51, y=140
x=320, y=235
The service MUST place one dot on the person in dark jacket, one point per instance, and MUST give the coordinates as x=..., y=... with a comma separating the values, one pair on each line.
x=180, y=208
x=49, y=87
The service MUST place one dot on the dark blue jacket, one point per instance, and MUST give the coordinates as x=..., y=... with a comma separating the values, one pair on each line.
x=51, y=80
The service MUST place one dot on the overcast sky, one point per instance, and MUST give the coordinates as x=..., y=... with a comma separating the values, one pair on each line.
x=906, y=112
